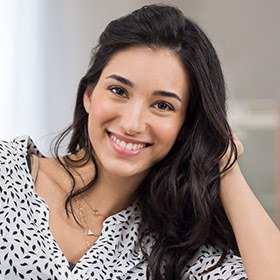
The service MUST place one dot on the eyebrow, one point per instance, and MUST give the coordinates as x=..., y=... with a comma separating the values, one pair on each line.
x=155, y=93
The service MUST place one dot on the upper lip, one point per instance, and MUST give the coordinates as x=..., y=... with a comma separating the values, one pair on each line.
x=127, y=140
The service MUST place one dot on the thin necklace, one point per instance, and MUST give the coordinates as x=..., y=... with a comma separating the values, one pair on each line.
x=87, y=231
x=95, y=212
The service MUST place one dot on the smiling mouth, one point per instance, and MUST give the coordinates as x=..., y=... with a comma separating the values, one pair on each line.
x=126, y=145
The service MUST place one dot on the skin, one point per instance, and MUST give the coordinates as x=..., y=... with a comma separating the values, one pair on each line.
x=137, y=113
x=128, y=101
x=134, y=113
x=257, y=236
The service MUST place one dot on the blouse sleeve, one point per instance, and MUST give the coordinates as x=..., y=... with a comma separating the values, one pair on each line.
x=231, y=268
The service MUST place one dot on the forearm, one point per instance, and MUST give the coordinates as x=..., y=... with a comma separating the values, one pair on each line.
x=257, y=236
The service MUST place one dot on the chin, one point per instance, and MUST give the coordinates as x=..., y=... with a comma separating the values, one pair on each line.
x=125, y=171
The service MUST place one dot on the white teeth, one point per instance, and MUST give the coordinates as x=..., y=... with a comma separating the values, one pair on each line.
x=127, y=146
x=122, y=144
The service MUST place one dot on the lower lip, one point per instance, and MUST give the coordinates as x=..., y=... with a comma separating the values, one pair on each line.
x=125, y=152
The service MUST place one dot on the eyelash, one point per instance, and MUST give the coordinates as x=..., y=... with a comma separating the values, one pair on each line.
x=123, y=91
x=170, y=107
x=117, y=88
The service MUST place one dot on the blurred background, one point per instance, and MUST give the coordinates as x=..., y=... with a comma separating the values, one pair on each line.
x=45, y=49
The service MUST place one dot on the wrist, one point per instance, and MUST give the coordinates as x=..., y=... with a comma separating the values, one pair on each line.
x=232, y=180
x=234, y=170
x=232, y=183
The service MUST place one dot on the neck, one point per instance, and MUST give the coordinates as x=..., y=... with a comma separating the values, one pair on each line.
x=111, y=193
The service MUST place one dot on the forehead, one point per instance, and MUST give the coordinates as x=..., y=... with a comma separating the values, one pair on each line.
x=158, y=69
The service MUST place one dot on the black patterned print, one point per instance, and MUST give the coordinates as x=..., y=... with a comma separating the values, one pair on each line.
x=28, y=249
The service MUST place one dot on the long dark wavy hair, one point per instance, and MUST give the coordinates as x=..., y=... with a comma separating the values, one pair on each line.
x=180, y=197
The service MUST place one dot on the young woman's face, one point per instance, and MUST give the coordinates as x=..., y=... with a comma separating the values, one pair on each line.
x=136, y=110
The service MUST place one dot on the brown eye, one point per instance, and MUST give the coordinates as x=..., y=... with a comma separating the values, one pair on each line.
x=164, y=106
x=118, y=91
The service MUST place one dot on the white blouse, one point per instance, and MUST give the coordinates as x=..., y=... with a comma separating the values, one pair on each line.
x=28, y=249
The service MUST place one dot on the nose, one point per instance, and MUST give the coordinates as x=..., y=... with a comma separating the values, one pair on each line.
x=133, y=119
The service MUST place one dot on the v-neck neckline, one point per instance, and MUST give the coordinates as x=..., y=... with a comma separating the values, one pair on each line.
x=89, y=254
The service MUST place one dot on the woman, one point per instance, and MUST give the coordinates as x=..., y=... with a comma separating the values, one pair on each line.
x=150, y=186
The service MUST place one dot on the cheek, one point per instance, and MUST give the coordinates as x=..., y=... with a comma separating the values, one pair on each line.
x=167, y=133
x=102, y=110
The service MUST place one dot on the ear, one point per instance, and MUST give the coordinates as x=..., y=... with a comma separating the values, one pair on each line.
x=87, y=97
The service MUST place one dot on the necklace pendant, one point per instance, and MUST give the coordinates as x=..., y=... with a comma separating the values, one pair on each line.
x=90, y=232
x=96, y=213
